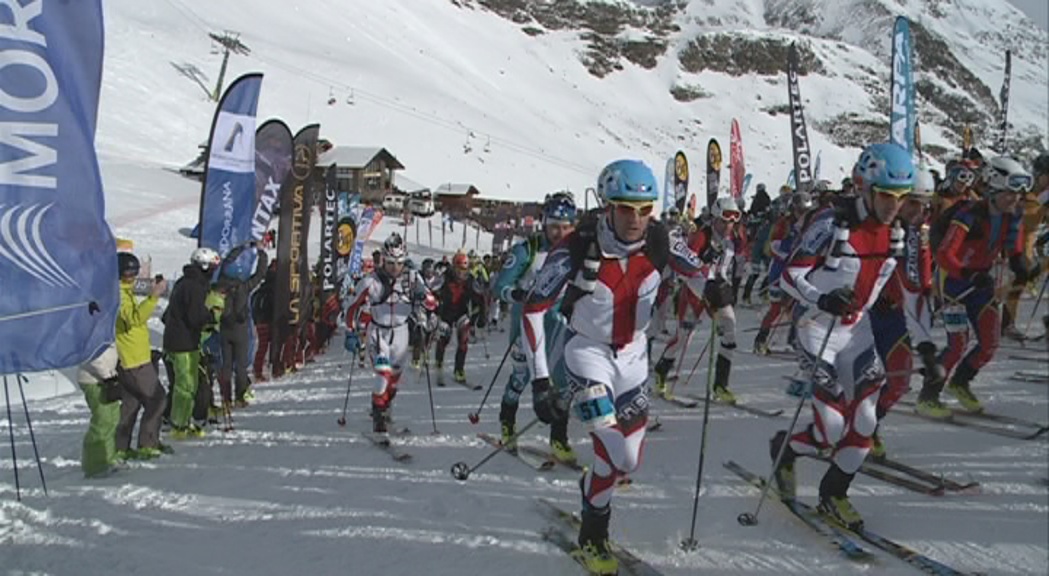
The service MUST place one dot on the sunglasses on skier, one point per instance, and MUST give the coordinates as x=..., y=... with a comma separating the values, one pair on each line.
x=627, y=209
x=893, y=193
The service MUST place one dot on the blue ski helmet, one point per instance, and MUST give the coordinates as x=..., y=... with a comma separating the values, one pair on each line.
x=886, y=166
x=627, y=181
x=559, y=207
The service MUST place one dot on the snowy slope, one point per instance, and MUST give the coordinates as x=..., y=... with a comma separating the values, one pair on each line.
x=427, y=77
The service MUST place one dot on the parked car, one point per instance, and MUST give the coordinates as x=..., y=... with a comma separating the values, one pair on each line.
x=394, y=202
x=421, y=204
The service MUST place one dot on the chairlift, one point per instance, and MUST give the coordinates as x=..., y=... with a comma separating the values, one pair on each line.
x=488, y=145
x=349, y=98
x=331, y=97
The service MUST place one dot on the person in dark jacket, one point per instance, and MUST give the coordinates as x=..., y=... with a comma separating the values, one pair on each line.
x=262, y=314
x=184, y=321
x=233, y=329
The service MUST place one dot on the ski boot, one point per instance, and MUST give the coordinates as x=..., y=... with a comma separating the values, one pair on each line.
x=1012, y=333
x=661, y=369
x=834, y=501
x=932, y=407
x=459, y=375
x=379, y=422
x=959, y=388
x=721, y=373
x=594, y=549
x=123, y=456
x=508, y=427
x=149, y=453
x=877, y=446
x=559, y=445
x=187, y=432
x=761, y=342
x=784, y=473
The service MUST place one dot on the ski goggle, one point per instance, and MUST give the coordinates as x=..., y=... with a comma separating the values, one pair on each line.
x=642, y=209
x=1019, y=183
x=961, y=175
x=731, y=215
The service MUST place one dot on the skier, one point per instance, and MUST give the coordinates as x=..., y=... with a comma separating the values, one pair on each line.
x=1033, y=214
x=902, y=316
x=782, y=236
x=262, y=314
x=615, y=262
x=233, y=327
x=184, y=320
x=978, y=235
x=836, y=273
x=512, y=286
x=714, y=242
x=393, y=293
x=456, y=291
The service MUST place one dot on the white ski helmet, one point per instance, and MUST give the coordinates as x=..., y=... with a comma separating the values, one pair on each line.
x=1003, y=173
x=206, y=258
x=393, y=249
x=924, y=185
x=725, y=208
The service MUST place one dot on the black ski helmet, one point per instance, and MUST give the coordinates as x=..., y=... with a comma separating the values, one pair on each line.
x=127, y=264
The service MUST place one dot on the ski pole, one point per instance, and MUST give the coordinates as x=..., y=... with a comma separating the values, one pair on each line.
x=475, y=416
x=429, y=390
x=484, y=343
x=32, y=436
x=690, y=544
x=346, y=403
x=11, y=432
x=461, y=470
x=751, y=519
x=695, y=366
x=1037, y=303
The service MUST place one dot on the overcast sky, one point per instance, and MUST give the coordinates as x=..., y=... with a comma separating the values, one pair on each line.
x=1037, y=10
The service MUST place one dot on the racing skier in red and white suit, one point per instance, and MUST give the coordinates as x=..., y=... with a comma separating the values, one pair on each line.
x=716, y=243
x=615, y=263
x=842, y=262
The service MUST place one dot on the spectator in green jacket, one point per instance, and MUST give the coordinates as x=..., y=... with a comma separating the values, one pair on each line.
x=138, y=375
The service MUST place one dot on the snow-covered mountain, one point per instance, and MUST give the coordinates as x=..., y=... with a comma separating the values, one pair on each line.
x=521, y=97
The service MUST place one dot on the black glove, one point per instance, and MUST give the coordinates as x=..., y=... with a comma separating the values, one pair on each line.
x=544, y=401
x=883, y=305
x=718, y=293
x=932, y=370
x=1023, y=274
x=837, y=302
x=982, y=280
x=518, y=295
x=482, y=321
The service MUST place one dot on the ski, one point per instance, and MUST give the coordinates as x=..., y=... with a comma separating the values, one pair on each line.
x=934, y=488
x=383, y=441
x=1030, y=376
x=973, y=420
x=541, y=464
x=744, y=407
x=1028, y=358
x=948, y=484
x=549, y=457
x=807, y=515
x=629, y=563
x=901, y=551
x=677, y=400
x=559, y=538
